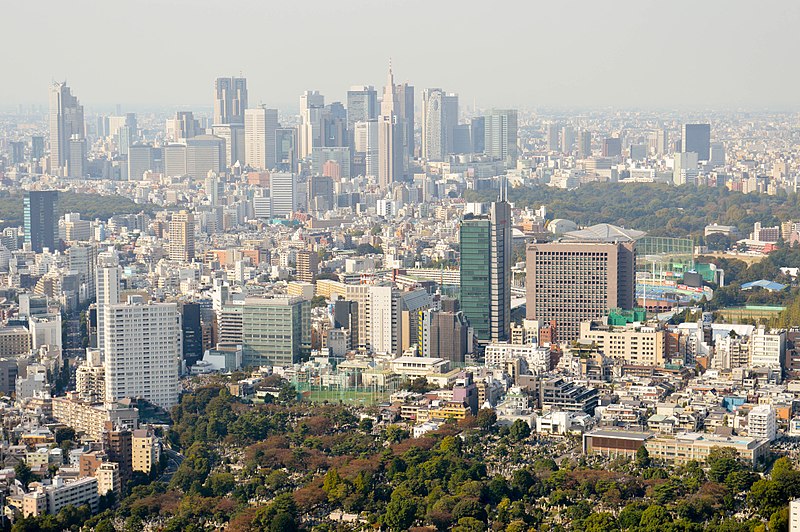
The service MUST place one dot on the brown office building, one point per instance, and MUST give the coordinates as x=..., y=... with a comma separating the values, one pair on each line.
x=581, y=277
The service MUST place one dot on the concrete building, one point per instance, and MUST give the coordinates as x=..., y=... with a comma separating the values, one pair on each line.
x=581, y=279
x=145, y=451
x=51, y=498
x=260, y=126
x=634, y=343
x=275, y=331
x=181, y=237
x=90, y=417
x=761, y=423
x=767, y=348
x=688, y=446
x=143, y=346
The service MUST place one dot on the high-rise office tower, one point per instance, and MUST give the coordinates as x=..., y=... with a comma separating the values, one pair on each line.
x=362, y=105
x=37, y=147
x=697, y=138
x=66, y=123
x=312, y=109
x=392, y=139
x=477, y=132
x=444, y=335
x=500, y=136
x=174, y=160
x=366, y=144
x=283, y=187
x=40, y=217
x=191, y=329
x=439, y=120
x=76, y=166
x=657, y=142
x=553, y=137
x=109, y=274
x=234, y=137
x=143, y=347
x=585, y=145
x=183, y=126
x=612, y=147
x=275, y=331
x=320, y=193
x=140, y=160
x=486, y=271
x=286, y=149
x=567, y=139
x=260, y=125
x=581, y=277
x=230, y=100
x=83, y=263
x=181, y=237
x=17, y=152
x=405, y=111
x=333, y=128
x=205, y=153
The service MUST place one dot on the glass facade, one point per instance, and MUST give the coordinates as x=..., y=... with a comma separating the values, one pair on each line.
x=475, y=237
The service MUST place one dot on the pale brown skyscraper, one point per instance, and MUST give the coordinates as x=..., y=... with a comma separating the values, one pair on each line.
x=181, y=237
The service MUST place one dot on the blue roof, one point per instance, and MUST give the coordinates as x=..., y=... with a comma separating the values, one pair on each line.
x=772, y=286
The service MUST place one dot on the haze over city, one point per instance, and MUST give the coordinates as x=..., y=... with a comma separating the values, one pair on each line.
x=399, y=266
x=687, y=54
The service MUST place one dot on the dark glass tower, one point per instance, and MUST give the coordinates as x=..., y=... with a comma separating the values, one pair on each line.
x=41, y=219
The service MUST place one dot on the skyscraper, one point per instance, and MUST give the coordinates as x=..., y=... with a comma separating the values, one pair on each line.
x=181, y=237
x=500, y=136
x=260, y=125
x=439, y=120
x=205, y=153
x=40, y=214
x=143, y=347
x=282, y=187
x=108, y=288
x=362, y=105
x=140, y=160
x=66, y=123
x=585, y=144
x=230, y=100
x=392, y=134
x=697, y=138
x=486, y=271
x=581, y=277
x=312, y=109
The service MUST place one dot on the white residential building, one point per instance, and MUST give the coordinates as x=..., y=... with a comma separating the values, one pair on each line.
x=143, y=346
x=761, y=422
x=768, y=348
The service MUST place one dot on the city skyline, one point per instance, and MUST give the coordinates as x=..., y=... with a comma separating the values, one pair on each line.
x=635, y=62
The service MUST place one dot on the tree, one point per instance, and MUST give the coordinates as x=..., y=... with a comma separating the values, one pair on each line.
x=519, y=430
x=779, y=521
x=400, y=513
x=642, y=457
x=721, y=462
x=486, y=419
x=600, y=522
x=23, y=473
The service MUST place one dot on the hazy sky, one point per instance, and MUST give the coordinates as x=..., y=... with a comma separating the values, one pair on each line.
x=563, y=53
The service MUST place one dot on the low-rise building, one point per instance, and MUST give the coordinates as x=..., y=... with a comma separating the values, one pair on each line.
x=687, y=446
x=51, y=498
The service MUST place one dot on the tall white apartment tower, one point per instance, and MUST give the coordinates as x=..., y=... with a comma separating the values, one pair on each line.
x=108, y=288
x=143, y=346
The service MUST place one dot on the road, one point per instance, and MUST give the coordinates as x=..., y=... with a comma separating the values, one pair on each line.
x=174, y=461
